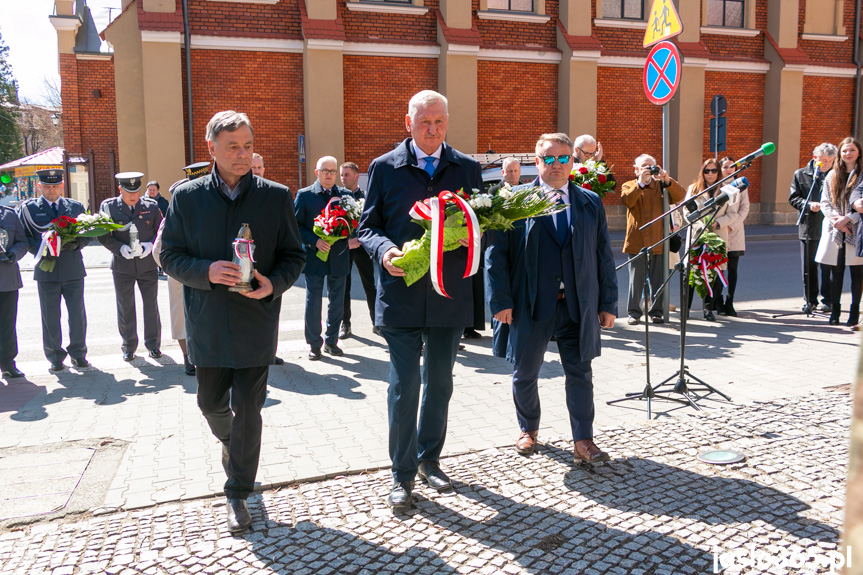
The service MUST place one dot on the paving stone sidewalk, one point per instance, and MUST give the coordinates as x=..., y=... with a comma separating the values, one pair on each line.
x=654, y=509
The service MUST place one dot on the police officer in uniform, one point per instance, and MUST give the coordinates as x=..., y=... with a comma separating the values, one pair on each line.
x=131, y=266
x=66, y=280
x=13, y=246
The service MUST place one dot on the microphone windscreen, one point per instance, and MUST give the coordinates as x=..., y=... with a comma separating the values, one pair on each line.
x=768, y=148
x=740, y=183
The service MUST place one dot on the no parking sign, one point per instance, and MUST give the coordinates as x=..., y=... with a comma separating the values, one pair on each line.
x=662, y=73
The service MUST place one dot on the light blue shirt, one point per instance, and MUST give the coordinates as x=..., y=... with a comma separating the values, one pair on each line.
x=422, y=155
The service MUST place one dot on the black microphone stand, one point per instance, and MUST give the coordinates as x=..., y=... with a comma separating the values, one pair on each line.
x=682, y=384
x=807, y=309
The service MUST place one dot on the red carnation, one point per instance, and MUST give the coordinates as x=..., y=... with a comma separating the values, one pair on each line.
x=62, y=223
x=572, y=177
x=344, y=232
x=354, y=223
x=583, y=170
x=586, y=186
x=601, y=178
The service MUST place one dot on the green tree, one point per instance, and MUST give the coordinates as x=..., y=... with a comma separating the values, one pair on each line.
x=10, y=138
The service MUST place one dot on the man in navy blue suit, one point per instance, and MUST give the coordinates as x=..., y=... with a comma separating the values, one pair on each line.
x=414, y=319
x=554, y=276
x=310, y=203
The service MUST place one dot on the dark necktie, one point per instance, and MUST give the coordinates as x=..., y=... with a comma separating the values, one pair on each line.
x=54, y=208
x=562, y=223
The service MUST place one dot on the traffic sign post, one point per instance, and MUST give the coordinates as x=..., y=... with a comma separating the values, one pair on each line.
x=718, y=107
x=663, y=22
x=662, y=73
x=301, y=147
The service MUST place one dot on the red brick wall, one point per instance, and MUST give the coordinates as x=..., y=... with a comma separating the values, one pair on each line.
x=377, y=91
x=242, y=19
x=744, y=120
x=828, y=112
x=627, y=123
x=90, y=123
x=271, y=94
x=500, y=33
x=502, y=89
x=825, y=52
x=621, y=40
x=375, y=26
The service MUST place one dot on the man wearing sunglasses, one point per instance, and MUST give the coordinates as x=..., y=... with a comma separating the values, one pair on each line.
x=554, y=276
x=643, y=200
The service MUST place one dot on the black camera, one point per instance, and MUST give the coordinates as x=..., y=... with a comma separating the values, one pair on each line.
x=654, y=170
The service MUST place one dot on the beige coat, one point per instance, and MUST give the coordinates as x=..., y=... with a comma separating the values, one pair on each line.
x=828, y=251
x=642, y=206
x=725, y=217
x=736, y=229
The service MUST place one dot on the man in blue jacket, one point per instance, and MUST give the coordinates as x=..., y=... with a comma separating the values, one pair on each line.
x=554, y=276
x=13, y=247
x=311, y=201
x=66, y=280
x=414, y=319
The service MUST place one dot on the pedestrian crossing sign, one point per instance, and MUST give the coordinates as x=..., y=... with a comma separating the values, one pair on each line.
x=663, y=22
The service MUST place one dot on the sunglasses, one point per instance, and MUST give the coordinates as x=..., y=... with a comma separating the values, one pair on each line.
x=549, y=160
x=711, y=171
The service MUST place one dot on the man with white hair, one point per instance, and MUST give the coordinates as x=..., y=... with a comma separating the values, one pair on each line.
x=311, y=201
x=232, y=334
x=511, y=171
x=643, y=200
x=809, y=231
x=587, y=148
x=415, y=320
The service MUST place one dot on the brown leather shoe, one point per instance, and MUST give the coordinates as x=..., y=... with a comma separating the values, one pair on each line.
x=586, y=451
x=526, y=443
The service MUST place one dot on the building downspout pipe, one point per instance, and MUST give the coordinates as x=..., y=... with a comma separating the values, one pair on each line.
x=187, y=42
x=859, y=64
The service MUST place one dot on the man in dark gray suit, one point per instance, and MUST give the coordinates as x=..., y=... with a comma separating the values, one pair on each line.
x=133, y=262
x=13, y=246
x=66, y=280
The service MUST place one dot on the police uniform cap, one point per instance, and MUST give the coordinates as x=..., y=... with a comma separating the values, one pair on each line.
x=176, y=184
x=130, y=181
x=196, y=170
x=50, y=175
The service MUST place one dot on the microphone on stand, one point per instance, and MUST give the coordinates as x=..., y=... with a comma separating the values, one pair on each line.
x=765, y=150
x=727, y=193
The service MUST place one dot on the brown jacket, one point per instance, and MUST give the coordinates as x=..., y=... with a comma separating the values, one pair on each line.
x=642, y=206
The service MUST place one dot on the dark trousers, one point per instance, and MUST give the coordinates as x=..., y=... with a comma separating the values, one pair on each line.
x=8, y=336
x=730, y=276
x=578, y=374
x=52, y=334
x=124, y=288
x=812, y=287
x=411, y=442
x=636, y=285
x=837, y=285
x=314, y=302
x=477, y=284
x=366, y=269
x=231, y=401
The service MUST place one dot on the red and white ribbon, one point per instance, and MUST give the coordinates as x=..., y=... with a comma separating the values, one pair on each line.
x=249, y=244
x=711, y=261
x=434, y=209
x=50, y=246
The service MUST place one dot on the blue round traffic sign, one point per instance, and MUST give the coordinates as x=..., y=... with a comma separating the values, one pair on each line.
x=662, y=73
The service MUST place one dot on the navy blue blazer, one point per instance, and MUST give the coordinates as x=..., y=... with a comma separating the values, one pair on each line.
x=16, y=244
x=309, y=204
x=511, y=262
x=70, y=264
x=396, y=182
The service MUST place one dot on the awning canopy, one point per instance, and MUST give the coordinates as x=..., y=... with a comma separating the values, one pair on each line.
x=50, y=158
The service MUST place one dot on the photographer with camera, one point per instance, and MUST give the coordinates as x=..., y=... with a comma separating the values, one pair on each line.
x=643, y=200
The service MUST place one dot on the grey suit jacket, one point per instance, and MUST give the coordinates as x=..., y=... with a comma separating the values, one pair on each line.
x=16, y=243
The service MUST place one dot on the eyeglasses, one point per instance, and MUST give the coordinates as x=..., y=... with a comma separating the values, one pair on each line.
x=549, y=160
x=711, y=171
x=588, y=154
x=328, y=172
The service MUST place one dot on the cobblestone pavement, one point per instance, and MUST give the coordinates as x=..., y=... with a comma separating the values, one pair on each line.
x=653, y=509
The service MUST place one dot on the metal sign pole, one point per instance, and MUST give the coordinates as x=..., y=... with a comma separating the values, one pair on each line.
x=666, y=229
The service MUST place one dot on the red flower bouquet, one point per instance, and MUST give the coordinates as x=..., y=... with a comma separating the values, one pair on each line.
x=338, y=220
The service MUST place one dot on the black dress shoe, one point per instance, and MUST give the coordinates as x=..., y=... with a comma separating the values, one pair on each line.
x=155, y=353
x=345, y=332
x=239, y=518
x=401, y=498
x=430, y=472
x=470, y=333
x=12, y=372
x=333, y=350
x=128, y=355
x=708, y=316
x=81, y=362
x=188, y=366
x=315, y=354
x=278, y=361
x=57, y=366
